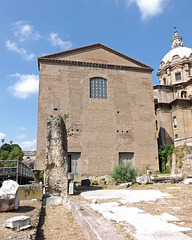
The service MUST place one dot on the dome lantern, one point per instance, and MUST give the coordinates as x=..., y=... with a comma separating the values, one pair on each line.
x=176, y=40
x=178, y=50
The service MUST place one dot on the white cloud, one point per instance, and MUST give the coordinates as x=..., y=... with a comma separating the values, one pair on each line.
x=22, y=136
x=149, y=8
x=26, y=85
x=2, y=135
x=24, y=31
x=12, y=46
x=56, y=41
x=21, y=128
x=28, y=144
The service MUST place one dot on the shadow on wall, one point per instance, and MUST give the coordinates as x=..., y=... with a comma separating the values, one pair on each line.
x=164, y=137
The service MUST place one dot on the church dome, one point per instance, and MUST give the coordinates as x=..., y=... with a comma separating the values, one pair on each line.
x=178, y=49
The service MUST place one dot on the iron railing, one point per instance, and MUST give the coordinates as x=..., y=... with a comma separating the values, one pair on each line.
x=15, y=168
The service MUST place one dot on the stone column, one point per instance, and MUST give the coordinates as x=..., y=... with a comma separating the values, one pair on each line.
x=56, y=166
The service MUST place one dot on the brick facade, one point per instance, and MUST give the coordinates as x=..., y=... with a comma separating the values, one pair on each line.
x=99, y=129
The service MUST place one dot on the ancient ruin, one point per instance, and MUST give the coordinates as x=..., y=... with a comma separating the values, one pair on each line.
x=9, y=196
x=56, y=167
x=109, y=98
x=182, y=160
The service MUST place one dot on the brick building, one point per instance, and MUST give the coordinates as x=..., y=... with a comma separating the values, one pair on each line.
x=109, y=99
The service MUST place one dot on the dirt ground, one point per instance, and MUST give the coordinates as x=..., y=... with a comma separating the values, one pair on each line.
x=58, y=223
x=26, y=208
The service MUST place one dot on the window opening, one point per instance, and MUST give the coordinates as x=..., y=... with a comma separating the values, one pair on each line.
x=98, y=88
x=156, y=125
x=178, y=76
x=174, y=122
x=126, y=157
x=184, y=94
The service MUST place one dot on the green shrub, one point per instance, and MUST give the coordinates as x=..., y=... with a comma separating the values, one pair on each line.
x=124, y=173
x=41, y=178
x=165, y=158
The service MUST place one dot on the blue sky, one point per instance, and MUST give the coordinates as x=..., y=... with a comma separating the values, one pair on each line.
x=141, y=29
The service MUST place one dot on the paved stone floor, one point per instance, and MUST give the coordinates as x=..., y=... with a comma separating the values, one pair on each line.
x=117, y=205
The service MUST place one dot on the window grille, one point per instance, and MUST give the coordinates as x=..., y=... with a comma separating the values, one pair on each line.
x=98, y=88
x=126, y=157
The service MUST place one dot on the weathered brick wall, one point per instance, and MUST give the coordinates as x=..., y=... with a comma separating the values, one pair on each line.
x=124, y=122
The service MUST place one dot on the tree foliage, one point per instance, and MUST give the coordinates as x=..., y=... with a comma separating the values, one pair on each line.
x=11, y=152
x=42, y=176
x=124, y=173
x=165, y=158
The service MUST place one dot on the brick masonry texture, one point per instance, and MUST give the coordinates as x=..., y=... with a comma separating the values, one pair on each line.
x=101, y=128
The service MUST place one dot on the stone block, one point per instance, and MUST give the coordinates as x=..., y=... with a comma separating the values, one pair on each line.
x=102, y=182
x=188, y=181
x=31, y=191
x=85, y=182
x=70, y=176
x=71, y=188
x=52, y=200
x=143, y=179
x=18, y=221
x=125, y=185
x=94, y=182
x=9, y=196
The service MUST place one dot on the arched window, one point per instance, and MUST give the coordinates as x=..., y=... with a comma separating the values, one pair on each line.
x=98, y=88
x=155, y=100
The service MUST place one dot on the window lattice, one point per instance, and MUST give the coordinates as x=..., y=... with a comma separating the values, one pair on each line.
x=98, y=88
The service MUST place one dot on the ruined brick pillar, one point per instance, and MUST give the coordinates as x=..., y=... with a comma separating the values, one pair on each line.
x=56, y=166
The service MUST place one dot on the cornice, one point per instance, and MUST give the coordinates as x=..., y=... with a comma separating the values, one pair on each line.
x=183, y=103
x=94, y=65
x=88, y=48
x=173, y=65
x=173, y=87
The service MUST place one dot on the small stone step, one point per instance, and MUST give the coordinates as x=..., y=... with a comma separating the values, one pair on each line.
x=18, y=221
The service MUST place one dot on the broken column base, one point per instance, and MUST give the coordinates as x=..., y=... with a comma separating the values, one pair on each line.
x=53, y=200
x=19, y=221
x=9, y=196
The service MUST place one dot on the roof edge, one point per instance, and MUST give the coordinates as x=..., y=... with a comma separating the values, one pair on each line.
x=92, y=46
x=90, y=64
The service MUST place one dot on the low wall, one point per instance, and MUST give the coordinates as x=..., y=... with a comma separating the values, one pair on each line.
x=31, y=191
x=181, y=142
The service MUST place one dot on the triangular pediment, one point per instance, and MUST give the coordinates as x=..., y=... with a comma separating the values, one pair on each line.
x=95, y=53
